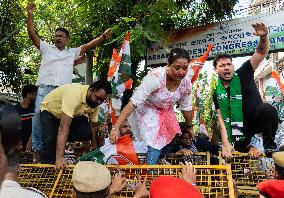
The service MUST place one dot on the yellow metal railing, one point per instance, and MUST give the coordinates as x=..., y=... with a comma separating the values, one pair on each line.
x=244, y=170
x=213, y=181
x=198, y=158
x=247, y=173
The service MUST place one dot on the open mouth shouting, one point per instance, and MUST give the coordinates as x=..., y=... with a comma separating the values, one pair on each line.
x=227, y=76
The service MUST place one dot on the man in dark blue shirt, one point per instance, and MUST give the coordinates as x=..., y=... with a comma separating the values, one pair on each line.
x=26, y=110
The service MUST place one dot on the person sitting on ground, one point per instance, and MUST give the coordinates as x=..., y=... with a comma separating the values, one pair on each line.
x=124, y=129
x=91, y=179
x=185, y=144
x=26, y=111
x=274, y=188
x=169, y=186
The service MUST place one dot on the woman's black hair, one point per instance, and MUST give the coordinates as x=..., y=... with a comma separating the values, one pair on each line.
x=178, y=53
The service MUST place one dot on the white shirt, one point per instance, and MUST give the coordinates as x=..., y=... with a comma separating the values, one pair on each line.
x=11, y=189
x=56, y=65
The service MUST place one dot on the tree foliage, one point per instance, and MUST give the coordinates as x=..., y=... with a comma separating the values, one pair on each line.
x=207, y=85
x=148, y=21
x=10, y=71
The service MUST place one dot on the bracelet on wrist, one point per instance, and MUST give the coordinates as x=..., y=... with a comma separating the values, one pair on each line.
x=114, y=128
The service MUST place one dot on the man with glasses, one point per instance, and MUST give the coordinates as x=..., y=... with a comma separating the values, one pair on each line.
x=56, y=67
x=69, y=113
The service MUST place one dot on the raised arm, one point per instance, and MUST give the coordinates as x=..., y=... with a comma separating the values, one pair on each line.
x=30, y=26
x=107, y=34
x=263, y=45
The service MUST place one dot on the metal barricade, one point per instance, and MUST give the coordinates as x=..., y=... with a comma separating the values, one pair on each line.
x=198, y=158
x=26, y=157
x=247, y=172
x=213, y=181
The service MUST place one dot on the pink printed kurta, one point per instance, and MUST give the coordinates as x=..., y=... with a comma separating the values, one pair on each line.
x=154, y=120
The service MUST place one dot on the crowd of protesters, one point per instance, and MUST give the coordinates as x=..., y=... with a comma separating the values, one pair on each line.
x=56, y=112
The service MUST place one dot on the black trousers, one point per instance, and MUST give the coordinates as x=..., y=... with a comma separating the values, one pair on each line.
x=264, y=121
x=80, y=130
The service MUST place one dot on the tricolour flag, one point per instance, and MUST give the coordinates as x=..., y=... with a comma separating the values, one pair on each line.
x=275, y=75
x=114, y=66
x=274, y=93
x=120, y=68
x=126, y=85
x=197, y=63
x=119, y=76
x=123, y=152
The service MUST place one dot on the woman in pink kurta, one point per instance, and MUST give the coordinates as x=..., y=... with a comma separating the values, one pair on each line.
x=151, y=108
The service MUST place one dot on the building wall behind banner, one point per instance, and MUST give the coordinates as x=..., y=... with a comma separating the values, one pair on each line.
x=234, y=37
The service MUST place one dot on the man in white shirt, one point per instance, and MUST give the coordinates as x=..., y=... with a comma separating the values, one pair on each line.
x=56, y=67
x=10, y=188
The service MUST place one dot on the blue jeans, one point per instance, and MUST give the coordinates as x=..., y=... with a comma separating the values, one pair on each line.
x=43, y=90
x=153, y=155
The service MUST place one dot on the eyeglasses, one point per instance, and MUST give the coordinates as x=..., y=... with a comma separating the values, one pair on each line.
x=100, y=100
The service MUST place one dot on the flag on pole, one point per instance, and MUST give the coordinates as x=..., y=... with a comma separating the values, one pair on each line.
x=120, y=68
x=197, y=63
x=123, y=152
x=126, y=85
x=280, y=81
x=114, y=65
x=103, y=111
x=119, y=75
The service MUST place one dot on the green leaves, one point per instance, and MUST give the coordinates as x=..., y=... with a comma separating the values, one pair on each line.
x=149, y=21
x=207, y=85
x=10, y=72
